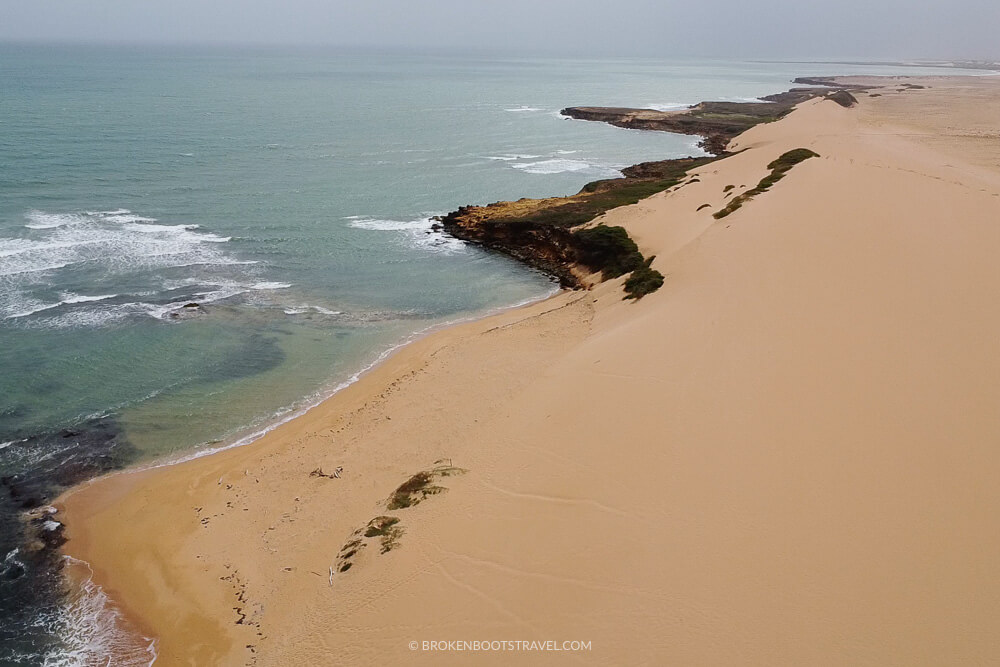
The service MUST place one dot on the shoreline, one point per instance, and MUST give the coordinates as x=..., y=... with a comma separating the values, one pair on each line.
x=547, y=338
x=129, y=627
x=323, y=395
x=118, y=483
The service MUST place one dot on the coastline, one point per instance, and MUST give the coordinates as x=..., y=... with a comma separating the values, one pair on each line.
x=90, y=497
x=296, y=411
x=168, y=535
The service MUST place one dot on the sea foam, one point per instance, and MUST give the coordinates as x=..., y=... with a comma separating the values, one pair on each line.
x=564, y=165
x=91, y=630
x=418, y=233
x=109, y=248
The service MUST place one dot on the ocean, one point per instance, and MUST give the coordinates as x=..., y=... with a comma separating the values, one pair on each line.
x=197, y=244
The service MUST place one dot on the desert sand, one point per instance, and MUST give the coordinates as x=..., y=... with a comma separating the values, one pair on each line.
x=786, y=455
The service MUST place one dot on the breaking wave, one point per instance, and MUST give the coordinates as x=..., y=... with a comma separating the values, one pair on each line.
x=68, y=269
x=564, y=165
x=419, y=233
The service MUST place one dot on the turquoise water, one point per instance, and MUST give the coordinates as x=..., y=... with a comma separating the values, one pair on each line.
x=287, y=193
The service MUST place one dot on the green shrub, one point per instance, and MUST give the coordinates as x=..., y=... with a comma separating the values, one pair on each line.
x=791, y=158
x=843, y=98
x=644, y=280
x=608, y=250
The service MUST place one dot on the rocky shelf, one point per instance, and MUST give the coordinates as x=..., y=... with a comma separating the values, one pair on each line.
x=718, y=122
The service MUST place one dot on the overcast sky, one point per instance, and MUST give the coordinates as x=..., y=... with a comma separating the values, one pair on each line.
x=876, y=29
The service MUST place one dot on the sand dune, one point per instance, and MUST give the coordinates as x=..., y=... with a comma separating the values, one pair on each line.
x=787, y=455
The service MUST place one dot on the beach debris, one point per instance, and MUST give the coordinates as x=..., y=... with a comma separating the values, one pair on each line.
x=318, y=472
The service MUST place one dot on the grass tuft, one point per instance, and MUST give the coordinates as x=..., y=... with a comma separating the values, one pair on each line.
x=644, y=280
x=385, y=528
x=420, y=486
x=779, y=168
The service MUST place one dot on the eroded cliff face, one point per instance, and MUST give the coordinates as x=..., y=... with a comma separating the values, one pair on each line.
x=540, y=232
x=548, y=248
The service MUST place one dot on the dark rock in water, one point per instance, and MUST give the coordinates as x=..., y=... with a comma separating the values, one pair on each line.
x=188, y=310
x=34, y=471
x=11, y=568
x=59, y=460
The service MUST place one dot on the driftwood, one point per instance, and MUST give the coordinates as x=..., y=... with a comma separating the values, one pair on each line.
x=318, y=472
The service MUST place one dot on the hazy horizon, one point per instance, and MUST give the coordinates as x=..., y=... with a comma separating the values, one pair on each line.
x=783, y=30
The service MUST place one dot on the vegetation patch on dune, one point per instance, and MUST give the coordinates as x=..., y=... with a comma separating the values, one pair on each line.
x=778, y=168
x=843, y=98
x=608, y=249
x=644, y=280
x=387, y=530
x=420, y=486
x=594, y=199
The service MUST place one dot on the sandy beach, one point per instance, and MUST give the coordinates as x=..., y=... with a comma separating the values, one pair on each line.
x=786, y=455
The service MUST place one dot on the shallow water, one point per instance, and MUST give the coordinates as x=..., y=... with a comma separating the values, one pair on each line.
x=289, y=194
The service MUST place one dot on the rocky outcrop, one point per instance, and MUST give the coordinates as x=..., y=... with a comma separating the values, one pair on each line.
x=37, y=468
x=716, y=122
x=539, y=232
x=545, y=247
